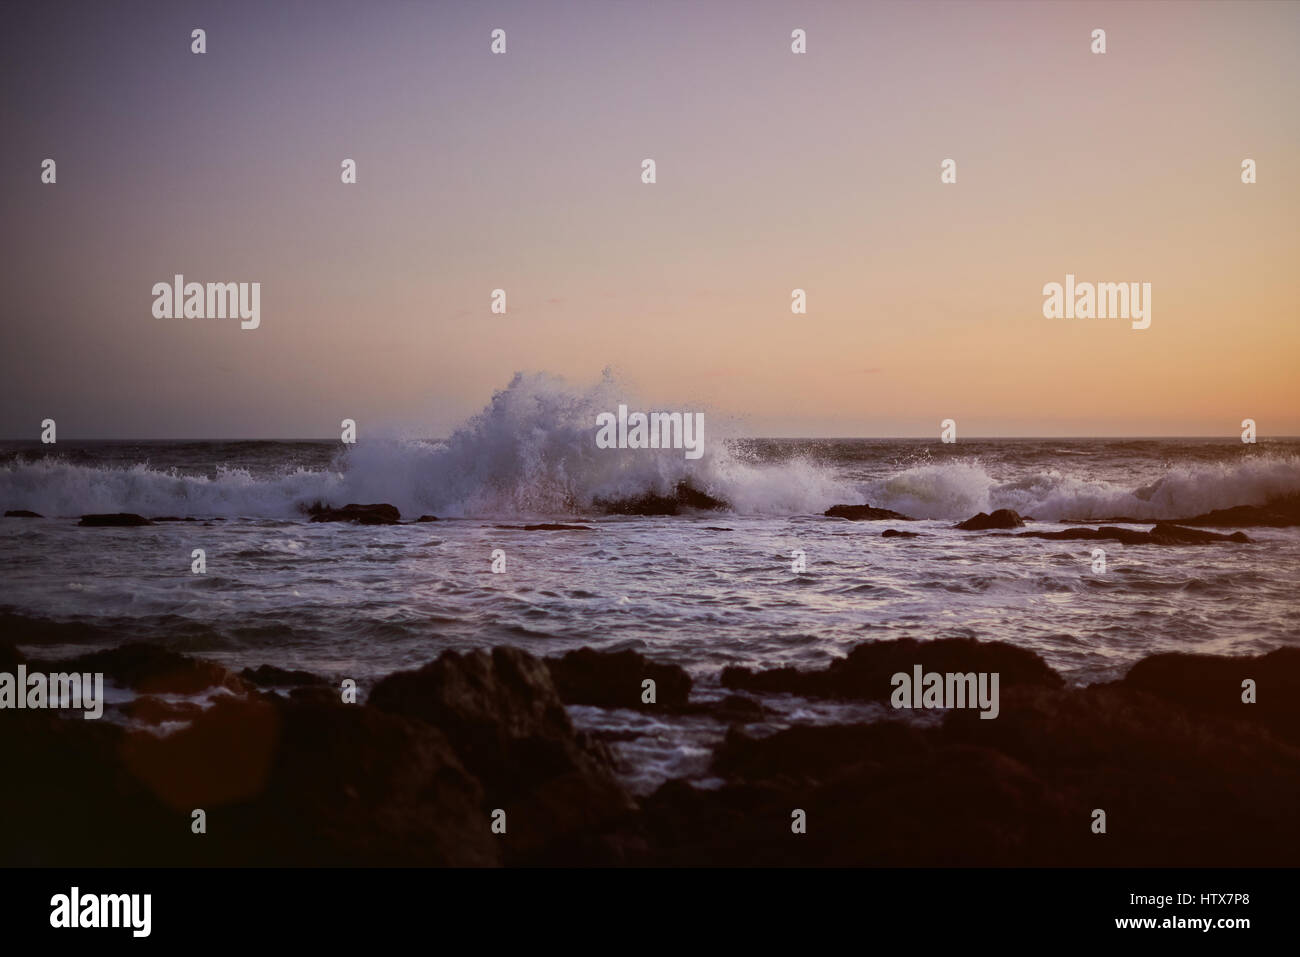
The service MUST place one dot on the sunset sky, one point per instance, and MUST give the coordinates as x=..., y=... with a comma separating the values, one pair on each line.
x=775, y=171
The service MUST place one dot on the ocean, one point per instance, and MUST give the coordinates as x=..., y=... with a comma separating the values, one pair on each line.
x=703, y=589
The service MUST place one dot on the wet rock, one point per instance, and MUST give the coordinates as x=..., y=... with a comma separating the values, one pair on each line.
x=22, y=513
x=1282, y=512
x=1213, y=685
x=1000, y=518
x=866, y=671
x=612, y=679
x=684, y=496
x=10, y=657
x=268, y=676
x=156, y=711
x=1162, y=534
x=546, y=527
x=426, y=518
x=895, y=533
x=359, y=514
x=865, y=513
x=505, y=719
x=115, y=520
x=153, y=670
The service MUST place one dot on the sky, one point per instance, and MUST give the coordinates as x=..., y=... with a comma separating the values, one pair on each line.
x=775, y=171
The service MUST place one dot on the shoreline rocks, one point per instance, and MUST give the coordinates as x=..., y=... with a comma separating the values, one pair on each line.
x=1187, y=773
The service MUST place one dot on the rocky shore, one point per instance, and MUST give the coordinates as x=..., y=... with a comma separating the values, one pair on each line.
x=288, y=773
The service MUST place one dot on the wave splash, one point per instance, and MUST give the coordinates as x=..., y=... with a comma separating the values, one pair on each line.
x=531, y=451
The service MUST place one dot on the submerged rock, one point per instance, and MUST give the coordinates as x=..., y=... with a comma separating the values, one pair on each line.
x=22, y=513
x=546, y=527
x=117, y=519
x=1162, y=534
x=895, y=533
x=1282, y=512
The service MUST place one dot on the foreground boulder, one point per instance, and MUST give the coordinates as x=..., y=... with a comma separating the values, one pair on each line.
x=865, y=513
x=360, y=514
x=1213, y=685
x=613, y=679
x=506, y=720
x=116, y=519
x=1000, y=518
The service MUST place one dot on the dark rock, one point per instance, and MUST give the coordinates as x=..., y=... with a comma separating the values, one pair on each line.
x=1282, y=512
x=865, y=513
x=506, y=721
x=152, y=710
x=172, y=518
x=1164, y=534
x=1159, y=535
x=1188, y=774
x=546, y=527
x=739, y=707
x=612, y=679
x=270, y=676
x=866, y=672
x=10, y=657
x=22, y=513
x=1001, y=518
x=895, y=533
x=684, y=496
x=153, y=670
x=1212, y=685
x=119, y=519
x=426, y=518
x=360, y=514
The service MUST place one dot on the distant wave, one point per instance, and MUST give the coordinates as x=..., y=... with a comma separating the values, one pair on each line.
x=960, y=489
x=532, y=452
